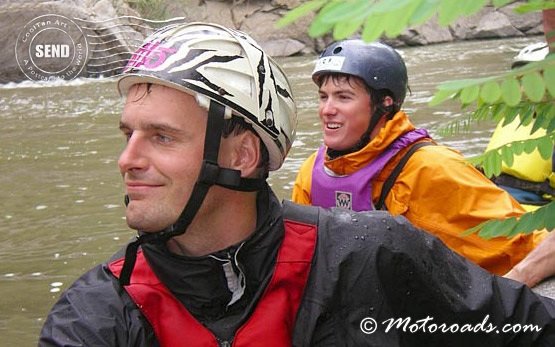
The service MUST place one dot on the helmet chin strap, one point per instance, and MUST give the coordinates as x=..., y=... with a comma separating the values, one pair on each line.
x=364, y=139
x=210, y=174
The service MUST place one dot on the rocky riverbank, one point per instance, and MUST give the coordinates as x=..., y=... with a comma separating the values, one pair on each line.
x=109, y=40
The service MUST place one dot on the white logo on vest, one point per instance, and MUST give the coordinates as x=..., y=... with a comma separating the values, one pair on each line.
x=344, y=200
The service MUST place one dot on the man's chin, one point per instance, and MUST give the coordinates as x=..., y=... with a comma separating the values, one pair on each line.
x=142, y=225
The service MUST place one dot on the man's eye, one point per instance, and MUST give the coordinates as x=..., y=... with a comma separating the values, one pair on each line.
x=127, y=135
x=163, y=138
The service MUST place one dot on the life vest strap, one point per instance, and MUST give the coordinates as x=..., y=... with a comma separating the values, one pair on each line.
x=388, y=184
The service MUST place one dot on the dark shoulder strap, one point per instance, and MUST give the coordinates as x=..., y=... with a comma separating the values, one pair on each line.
x=395, y=173
x=300, y=213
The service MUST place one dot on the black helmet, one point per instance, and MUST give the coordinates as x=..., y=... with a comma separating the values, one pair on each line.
x=379, y=65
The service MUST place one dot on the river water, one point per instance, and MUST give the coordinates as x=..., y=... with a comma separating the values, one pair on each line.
x=61, y=197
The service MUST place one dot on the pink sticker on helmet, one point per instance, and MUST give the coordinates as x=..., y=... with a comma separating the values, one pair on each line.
x=150, y=55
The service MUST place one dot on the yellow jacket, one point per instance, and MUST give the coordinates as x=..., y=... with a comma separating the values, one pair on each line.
x=437, y=191
x=526, y=166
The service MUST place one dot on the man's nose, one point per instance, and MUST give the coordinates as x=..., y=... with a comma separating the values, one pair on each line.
x=327, y=107
x=133, y=156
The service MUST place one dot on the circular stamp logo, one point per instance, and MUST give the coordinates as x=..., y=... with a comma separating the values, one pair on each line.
x=51, y=47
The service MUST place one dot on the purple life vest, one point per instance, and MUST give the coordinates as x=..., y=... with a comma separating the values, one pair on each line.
x=354, y=191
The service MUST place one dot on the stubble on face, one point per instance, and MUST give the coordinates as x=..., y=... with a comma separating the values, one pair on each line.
x=160, y=164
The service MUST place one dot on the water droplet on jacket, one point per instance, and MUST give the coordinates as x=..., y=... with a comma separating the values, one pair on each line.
x=362, y=237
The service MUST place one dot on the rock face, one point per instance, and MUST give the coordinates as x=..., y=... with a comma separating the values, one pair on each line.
x=66, y=39
x=257, y=17
x=74, y=38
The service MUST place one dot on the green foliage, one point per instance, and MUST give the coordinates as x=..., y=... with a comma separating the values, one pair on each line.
x=535, y=5
x=527, y=223
x=491, y=160
x=527, y=92
x=375, y=18
x=531, y=82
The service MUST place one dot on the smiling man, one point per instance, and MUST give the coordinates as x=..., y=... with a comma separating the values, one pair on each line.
x=218, y=261
x=374, y=157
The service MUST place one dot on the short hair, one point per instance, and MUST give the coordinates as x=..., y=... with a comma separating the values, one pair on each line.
x=376, y=95
x=237, y=125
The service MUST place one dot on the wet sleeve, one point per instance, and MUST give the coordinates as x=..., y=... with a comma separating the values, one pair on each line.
x=92, y=313
x=424, y=280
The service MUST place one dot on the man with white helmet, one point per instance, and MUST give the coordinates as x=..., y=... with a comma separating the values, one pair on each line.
x=218, y=261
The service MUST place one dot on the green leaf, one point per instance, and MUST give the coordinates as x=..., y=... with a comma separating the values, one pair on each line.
x=440, y=96
x=469, y=94
x=399, y=19
x=545, y=147
x=373, y=28
x=528, y=222
x=471, y=7
x=501, y=113
x=449, y=10
x=346, y=11
x=534, y=86
x=460, y=84
x=549, y=113
x=543, y=116
x=530, y=145
x=507, y=155
x=492, y=164
x=527, y=112
x=343, y=30
x=473, y=230
x=492, y=228
x=549, y=78
x=551, y=126
x=318, y=28
x=425, y=10
x=510, y=115
x=320, y=25
x=299, y=12
x=510, y=91
x=550, y=213
x=490, y=92
x=534, y=6
x=518, y=148
x=506, y=227
x=482, y=112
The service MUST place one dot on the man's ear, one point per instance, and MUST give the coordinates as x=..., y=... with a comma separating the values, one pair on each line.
x=246, y=153
x=387, y=101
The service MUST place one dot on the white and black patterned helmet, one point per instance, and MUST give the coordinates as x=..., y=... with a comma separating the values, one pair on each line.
x=215, y=63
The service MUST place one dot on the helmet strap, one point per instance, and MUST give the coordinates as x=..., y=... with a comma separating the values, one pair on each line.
x=364, y=139
x=210, y=174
